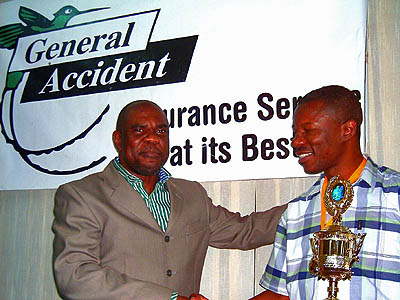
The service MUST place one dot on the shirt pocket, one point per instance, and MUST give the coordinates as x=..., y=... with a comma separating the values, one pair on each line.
x=381, y=246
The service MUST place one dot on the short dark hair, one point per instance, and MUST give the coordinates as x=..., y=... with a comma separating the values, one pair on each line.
x=128, y=107
x=344, y=102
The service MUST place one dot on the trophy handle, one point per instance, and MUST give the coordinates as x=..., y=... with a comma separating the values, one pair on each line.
x=313, y=265
x=360, y=241
x=314, y=246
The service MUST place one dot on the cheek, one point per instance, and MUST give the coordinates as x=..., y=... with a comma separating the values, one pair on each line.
x=328, y=152
x=131, y=149
x=320, y=140
x=332, y=144
x=164, y=143
x=321, y=147
x=165, y=150
x=316, y=141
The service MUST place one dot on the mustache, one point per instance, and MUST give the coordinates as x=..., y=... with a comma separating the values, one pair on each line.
x=150, y=149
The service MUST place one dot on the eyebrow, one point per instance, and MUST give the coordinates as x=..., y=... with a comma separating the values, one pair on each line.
x=142, y=125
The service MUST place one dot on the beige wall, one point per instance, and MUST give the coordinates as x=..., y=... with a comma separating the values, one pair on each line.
x=26, y=216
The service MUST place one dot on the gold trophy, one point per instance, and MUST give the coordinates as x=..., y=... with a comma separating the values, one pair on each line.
x=335, y=248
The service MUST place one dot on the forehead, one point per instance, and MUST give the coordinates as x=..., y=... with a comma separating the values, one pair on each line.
x=313, y=111
x=309, y=108
x=145, y=113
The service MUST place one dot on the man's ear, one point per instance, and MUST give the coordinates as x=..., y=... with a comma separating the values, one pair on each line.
x=349, y=129
x=116, y=137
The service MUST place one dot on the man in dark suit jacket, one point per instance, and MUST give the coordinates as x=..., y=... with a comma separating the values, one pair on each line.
x=134, y=232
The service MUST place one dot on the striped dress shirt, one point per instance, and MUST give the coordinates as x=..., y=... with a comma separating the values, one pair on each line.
x=158, y=201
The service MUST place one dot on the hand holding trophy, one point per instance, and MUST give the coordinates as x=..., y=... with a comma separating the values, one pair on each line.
x=335, y=248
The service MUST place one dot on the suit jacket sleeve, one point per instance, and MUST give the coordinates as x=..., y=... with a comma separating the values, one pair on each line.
x=78, y=271
x=233, y=231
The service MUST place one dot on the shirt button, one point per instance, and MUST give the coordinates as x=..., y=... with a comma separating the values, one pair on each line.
x=166, y=238
x=169, y=273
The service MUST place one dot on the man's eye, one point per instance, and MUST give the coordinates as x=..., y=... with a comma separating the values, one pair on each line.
x=308, y=131
x=162, y=131
x=138, y=129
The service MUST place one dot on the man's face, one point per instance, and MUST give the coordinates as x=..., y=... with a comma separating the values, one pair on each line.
x=317, y=138
x=143, y=142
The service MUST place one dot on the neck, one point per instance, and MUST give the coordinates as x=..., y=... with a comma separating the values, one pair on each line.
x=149, y=182
x=347, y=168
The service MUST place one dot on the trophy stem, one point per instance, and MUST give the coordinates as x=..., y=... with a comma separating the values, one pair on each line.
x=333, y=289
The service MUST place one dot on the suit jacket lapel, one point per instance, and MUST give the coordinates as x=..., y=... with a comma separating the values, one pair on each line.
x=124, y=195
x=177, y=203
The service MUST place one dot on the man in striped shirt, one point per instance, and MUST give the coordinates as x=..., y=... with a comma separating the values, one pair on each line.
x=133, y=231
x=326, y=135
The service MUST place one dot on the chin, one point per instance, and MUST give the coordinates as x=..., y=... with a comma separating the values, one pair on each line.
x=311, y=171
x=149, y=171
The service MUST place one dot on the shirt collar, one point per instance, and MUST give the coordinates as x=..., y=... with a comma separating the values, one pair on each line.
x=368, y=174
x=163, y=174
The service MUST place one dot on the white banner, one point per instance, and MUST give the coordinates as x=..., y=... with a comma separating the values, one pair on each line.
x=227, y=74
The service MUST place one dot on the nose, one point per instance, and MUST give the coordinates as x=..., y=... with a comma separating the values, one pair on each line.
x=297, y=141
x=152, y=137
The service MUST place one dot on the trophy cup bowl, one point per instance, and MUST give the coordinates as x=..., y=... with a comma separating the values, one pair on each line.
x=335, y=248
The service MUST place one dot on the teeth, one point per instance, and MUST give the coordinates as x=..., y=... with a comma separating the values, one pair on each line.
x=304, y=155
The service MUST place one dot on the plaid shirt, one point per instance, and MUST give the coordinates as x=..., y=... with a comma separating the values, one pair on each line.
x=374, y=211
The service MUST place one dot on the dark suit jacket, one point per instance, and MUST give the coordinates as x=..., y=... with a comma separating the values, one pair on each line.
x=108, y=245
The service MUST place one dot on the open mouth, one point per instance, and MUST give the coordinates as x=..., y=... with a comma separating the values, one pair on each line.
x=303, y=156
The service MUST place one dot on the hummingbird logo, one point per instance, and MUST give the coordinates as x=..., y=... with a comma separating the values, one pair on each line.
x=35, y=23
x=54, y=60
